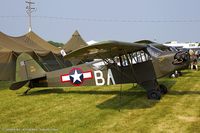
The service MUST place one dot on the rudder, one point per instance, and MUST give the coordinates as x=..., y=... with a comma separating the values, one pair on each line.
x=27, y=69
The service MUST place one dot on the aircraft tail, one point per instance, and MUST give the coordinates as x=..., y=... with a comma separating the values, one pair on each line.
x=27, y=69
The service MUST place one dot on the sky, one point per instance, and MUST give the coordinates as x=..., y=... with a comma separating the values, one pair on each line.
x=100, y=20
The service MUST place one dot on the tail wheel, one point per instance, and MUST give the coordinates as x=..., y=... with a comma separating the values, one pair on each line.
x=174, y=75
x=180, y=73
x=163, y=89
x=154, y=95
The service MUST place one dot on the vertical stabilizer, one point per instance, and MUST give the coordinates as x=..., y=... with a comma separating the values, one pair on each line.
x=27, y=68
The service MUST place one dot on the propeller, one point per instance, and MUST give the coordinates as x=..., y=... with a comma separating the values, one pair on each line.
x=181, y=57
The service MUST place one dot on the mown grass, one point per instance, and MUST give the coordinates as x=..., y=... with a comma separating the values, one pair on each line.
x=103, y=109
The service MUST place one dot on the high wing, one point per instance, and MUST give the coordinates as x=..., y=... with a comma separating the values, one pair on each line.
x=105, y=49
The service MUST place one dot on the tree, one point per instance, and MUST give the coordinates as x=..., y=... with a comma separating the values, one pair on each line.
x=56, y=44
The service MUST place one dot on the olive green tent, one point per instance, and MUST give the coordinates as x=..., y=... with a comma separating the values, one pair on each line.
x=74, y=43
x=44, y=53
x=9, y=50
x=11, y=44
x=7, y=71
x=47, y=54
x=36, y=43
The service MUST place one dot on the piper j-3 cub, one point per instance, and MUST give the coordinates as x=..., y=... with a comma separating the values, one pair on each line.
x=120, y=62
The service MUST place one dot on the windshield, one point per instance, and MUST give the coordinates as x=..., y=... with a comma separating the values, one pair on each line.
x=153, y=51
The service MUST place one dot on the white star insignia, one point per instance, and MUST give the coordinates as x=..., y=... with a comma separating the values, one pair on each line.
x=76, y=76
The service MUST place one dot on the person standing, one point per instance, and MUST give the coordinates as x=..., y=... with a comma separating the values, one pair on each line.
x=193, y=58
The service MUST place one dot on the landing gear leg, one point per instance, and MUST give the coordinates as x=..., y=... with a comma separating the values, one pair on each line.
x=156, y=93
x=25, y=93
x=163, y=89
x=29, y=88
x=153, y=89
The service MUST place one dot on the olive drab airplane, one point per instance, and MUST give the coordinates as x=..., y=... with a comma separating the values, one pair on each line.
x=106, y=63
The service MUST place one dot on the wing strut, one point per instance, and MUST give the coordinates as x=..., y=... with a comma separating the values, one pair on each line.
x=126, y=54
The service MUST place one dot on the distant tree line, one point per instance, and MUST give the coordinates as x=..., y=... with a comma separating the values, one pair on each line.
x=57, y=44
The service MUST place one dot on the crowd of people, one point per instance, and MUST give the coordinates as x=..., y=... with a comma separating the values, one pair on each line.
x=194, y=56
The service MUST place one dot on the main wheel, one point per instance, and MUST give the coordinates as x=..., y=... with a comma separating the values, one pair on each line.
x=154, y=95
x=163, y=89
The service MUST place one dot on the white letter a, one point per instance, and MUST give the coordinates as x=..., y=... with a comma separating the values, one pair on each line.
x=110, y=76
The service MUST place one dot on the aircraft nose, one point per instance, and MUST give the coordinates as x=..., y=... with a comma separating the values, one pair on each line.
x=181, y=58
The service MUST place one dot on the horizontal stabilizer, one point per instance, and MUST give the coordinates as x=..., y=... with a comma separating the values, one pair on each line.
x=18, y=85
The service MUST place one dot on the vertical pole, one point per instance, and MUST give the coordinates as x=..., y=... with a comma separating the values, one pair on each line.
x=29, y=10
x=30, y=26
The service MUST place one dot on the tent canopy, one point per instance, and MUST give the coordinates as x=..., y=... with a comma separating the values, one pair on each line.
x=75, y=42
x=11, y=44
x=43, y=52
x=36, y=43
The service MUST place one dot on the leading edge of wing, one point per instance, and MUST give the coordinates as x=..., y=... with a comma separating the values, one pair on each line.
x=104, y=49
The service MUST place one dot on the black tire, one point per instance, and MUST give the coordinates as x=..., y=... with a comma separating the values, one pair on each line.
x=180, y=73
x=173, y=75
x=154, y=95
x=176, y=75
x=163, y=89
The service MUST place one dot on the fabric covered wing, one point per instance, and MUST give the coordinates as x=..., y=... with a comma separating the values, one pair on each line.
x=103, y=50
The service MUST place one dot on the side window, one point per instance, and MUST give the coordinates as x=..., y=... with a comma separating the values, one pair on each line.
x=139, y=57
x=124, y=60
x=117, y=60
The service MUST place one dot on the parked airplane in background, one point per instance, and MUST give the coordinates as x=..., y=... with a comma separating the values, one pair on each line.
x=187, y=45
x=140, y=62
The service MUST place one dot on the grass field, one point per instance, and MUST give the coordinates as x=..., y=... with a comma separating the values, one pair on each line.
x=103, y=109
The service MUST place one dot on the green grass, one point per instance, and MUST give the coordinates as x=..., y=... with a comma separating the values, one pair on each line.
x=103, y=109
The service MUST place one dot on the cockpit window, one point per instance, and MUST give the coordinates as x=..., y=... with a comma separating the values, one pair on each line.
x=122, y=60
x=164, y=48
x=139, y=56
x=153, y=51
x=173, y=49
x=161, y=47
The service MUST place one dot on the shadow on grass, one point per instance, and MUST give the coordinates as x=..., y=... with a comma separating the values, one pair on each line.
x=136, y=100
x=190, y=73
x=180, y=92
x=45, y=91
x=133, y=98
x=86, y=92
x=129, y=92
x=185, y=72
